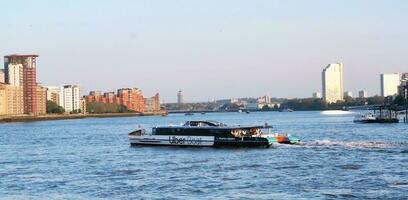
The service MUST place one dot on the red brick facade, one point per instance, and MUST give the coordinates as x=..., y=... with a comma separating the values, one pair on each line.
x=29, y=63
x=132, y=98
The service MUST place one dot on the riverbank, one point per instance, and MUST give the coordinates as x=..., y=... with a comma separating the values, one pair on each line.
x=48, y=117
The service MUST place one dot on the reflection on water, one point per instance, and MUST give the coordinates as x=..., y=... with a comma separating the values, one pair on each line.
x=336, y=112
x=91, y=158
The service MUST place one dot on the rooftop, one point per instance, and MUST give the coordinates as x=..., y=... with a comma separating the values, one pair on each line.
x=21, y=55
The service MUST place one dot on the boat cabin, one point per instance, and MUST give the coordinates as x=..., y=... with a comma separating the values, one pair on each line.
x=210, y=128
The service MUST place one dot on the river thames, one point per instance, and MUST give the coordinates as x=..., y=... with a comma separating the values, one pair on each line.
x=92, y=159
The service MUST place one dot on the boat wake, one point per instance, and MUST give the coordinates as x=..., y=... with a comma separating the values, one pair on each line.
x=357, y=144
x=349, y=145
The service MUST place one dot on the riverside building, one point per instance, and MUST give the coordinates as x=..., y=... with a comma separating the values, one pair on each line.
x=3, y=100
x=53, y=94
x=363, y=94
x=2, y=76
x=389, y=84
x=332, y=83
x=70, y=97
x=41, y=99
x=180, y=97
x=109, y=97
x=317, y=95
x=11, y=100
x=403, y=88
x=132, y=98
x=348, y=94
x=20, y=70
x=152, y=104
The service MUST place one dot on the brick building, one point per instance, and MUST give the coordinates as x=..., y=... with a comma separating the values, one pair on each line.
x=132, y=98
x=123, y=97
x=25, y=78
x=136, y=100
x=109, y=97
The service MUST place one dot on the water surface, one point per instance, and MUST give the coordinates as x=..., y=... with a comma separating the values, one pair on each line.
x=91, y=159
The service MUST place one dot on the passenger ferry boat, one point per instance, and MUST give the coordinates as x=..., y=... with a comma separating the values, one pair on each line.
x=365, y=118
x=383, y=117
x=205, y=134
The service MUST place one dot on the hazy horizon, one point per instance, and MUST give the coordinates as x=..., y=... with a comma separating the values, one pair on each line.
x=209, y=49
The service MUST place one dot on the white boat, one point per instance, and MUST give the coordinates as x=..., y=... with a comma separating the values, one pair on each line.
x=365, y=118
x=202, y=134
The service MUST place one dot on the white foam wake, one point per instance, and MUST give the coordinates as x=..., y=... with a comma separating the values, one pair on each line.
x=357, y=144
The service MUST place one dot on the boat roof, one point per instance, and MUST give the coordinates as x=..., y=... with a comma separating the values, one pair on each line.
x=214, y=124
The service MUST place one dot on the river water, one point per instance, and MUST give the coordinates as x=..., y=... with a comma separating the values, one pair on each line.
x=92, y=159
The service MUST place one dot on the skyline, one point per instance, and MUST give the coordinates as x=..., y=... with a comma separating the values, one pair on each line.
x=247, y=48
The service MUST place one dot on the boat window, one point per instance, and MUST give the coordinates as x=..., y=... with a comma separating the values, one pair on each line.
x=239, y=132
x=194, y=123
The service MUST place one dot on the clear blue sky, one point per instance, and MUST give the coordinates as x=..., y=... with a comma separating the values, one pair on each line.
x=210, y=49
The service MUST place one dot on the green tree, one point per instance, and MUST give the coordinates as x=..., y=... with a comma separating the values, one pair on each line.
x=266, y=108
x=100, y=107
x=54, y=108
x=400, y=100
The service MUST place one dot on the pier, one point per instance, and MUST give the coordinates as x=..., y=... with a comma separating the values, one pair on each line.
x=385, y=113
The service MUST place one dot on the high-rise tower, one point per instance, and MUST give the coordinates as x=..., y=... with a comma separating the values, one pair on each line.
x=332, y=83
x=20, y=70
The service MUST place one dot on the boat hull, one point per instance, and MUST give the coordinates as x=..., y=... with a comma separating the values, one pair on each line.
x=197, y=141
x=377, y=121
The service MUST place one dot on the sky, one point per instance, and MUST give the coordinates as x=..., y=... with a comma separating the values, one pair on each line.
x=210, y=49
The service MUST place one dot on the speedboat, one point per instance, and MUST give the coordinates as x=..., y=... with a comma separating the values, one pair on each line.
x=283, y=138
x=208, y=134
